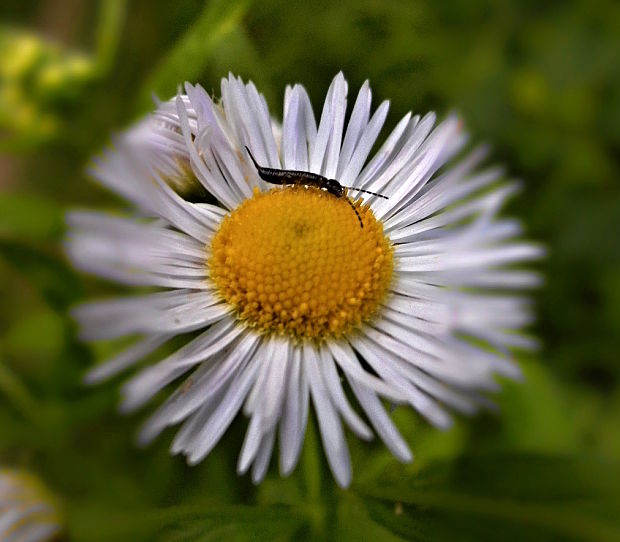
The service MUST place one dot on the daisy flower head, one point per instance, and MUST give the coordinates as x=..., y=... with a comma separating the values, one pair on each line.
x=27, y=511
x=295, y=290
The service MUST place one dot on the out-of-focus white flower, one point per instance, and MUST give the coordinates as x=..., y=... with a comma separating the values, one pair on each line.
x=293, y=296
x=28, y=512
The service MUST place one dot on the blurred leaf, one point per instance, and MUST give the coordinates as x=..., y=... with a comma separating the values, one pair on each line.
x=189, y=57
x=51, y=277
x=111, y=18
x=17, y=394
x=535, y=415
x=190, y=524
x=35, y=355
x=30, y=217
x=513, y=497
x=355, y=524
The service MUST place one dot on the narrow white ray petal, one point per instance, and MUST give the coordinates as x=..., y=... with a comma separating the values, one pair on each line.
x=379, y=160
x=223, y=194
x=227, y=169
x=120, y=171
x=187, y=316
x=294, y=133
x=98, y=243
x=264, y=401
x=413, y=176
x=428, y=328
x=329, y=423
x=490, y=311
x=259, y=107
x=465, y=402
x=206, y=385
x=355, y=127
x=499, y=278
x=483, y=257
x=132, y=307
x=502, y=339
x=309, y=124
x=482, y=232
x=34, y=532
x=491, y=201
x=346, y=359
x=9, y=519
x=325, y=151
x=413, y=286
x=152, y=232
x=294, y=416
x=364, y=145
x=381, y=422
x=400, y=158
x=42, y=531
x=145, y=384
x=251, y=443
x=249, y=122
x=432, y=357
x=275, y=390
x=262, y=459
x=200, y=101
x=125, y=359
x=443, y=192
x=420, y=401
x=222, y=417
x=186, y=437
x=332, y=384
x=434, y=310
x=177, y=211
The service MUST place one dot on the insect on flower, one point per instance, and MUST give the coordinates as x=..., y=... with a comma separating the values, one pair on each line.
x=292, y=176
x=283, y=305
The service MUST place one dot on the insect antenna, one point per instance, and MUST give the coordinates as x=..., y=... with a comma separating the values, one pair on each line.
x=252, y=157
x=366, y=191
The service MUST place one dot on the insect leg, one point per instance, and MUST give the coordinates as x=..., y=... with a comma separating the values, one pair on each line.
x=355, y=211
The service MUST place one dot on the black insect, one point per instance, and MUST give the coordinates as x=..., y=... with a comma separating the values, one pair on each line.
x=291, y=176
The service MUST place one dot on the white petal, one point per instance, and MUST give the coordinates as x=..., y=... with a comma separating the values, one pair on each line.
x=381, y=422
x=208, y=436
x=329, y=422
x=295, y=415
x=325, y=151
x=420, y=401
x=125, y=359
x=332, y=384
x=262, y=459
x=355, y=127
x=149, y=381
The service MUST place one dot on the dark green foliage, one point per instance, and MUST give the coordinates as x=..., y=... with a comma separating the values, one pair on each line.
x=540, y=81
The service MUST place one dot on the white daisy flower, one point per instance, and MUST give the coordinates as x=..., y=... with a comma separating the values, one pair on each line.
x=292, y=297
x=28, y=512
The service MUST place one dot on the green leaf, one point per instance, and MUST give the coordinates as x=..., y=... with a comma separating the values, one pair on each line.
x=30, y=217
x=536, y=414
x=187, y=523
x=502, y=497
x=111, y=17
x=354, y=523
x=46, y=272
x=190, y=56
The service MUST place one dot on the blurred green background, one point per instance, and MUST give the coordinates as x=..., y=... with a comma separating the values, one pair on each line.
x=540, y=81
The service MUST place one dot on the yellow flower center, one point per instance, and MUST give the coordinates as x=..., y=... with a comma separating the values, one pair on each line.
x=296, y=261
